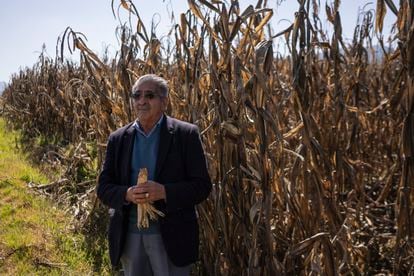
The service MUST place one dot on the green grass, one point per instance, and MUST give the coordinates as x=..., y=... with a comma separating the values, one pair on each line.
x=34, y=234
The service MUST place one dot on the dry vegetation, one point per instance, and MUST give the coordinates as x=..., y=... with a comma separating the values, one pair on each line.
x=311, y=155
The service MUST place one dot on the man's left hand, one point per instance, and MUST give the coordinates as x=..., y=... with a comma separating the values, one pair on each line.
x=153, y=191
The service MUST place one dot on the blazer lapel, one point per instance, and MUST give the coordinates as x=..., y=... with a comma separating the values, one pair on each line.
x=166, y=134
x=128, y=142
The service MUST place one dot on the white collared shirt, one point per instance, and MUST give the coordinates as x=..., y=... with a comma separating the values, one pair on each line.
x=138, y=127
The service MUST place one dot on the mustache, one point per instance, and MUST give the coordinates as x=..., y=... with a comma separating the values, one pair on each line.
x=142, y=107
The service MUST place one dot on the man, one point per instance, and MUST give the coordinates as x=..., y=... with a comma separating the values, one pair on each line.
x=178, y=179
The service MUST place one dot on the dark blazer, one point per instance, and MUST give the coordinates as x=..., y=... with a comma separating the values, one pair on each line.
x=181, y=168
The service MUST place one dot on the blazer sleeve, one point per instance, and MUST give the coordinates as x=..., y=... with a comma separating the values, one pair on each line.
x=197, y=185
x=109, y=190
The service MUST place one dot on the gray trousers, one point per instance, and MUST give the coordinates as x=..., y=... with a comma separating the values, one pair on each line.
x=145, y=255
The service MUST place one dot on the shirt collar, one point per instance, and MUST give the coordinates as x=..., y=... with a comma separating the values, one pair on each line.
x=138, y=127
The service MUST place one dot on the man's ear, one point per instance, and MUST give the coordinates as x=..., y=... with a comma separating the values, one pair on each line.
x=164, y=101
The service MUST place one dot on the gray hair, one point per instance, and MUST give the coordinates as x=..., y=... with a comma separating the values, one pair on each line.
x=160, y=82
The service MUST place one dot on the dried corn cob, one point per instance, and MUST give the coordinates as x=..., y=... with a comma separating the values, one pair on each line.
x=145, y=210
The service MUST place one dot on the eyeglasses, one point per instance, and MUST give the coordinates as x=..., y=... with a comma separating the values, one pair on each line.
x=149, y=95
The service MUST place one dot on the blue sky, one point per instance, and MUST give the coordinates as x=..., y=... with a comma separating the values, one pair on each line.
x=25, y=25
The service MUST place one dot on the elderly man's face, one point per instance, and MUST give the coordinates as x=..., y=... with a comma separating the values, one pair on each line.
x=148, y=103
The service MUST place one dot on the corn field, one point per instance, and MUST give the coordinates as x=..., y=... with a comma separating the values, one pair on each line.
x=311, y=154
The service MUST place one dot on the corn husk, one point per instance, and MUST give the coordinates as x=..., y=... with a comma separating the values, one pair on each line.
x=145, y=211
